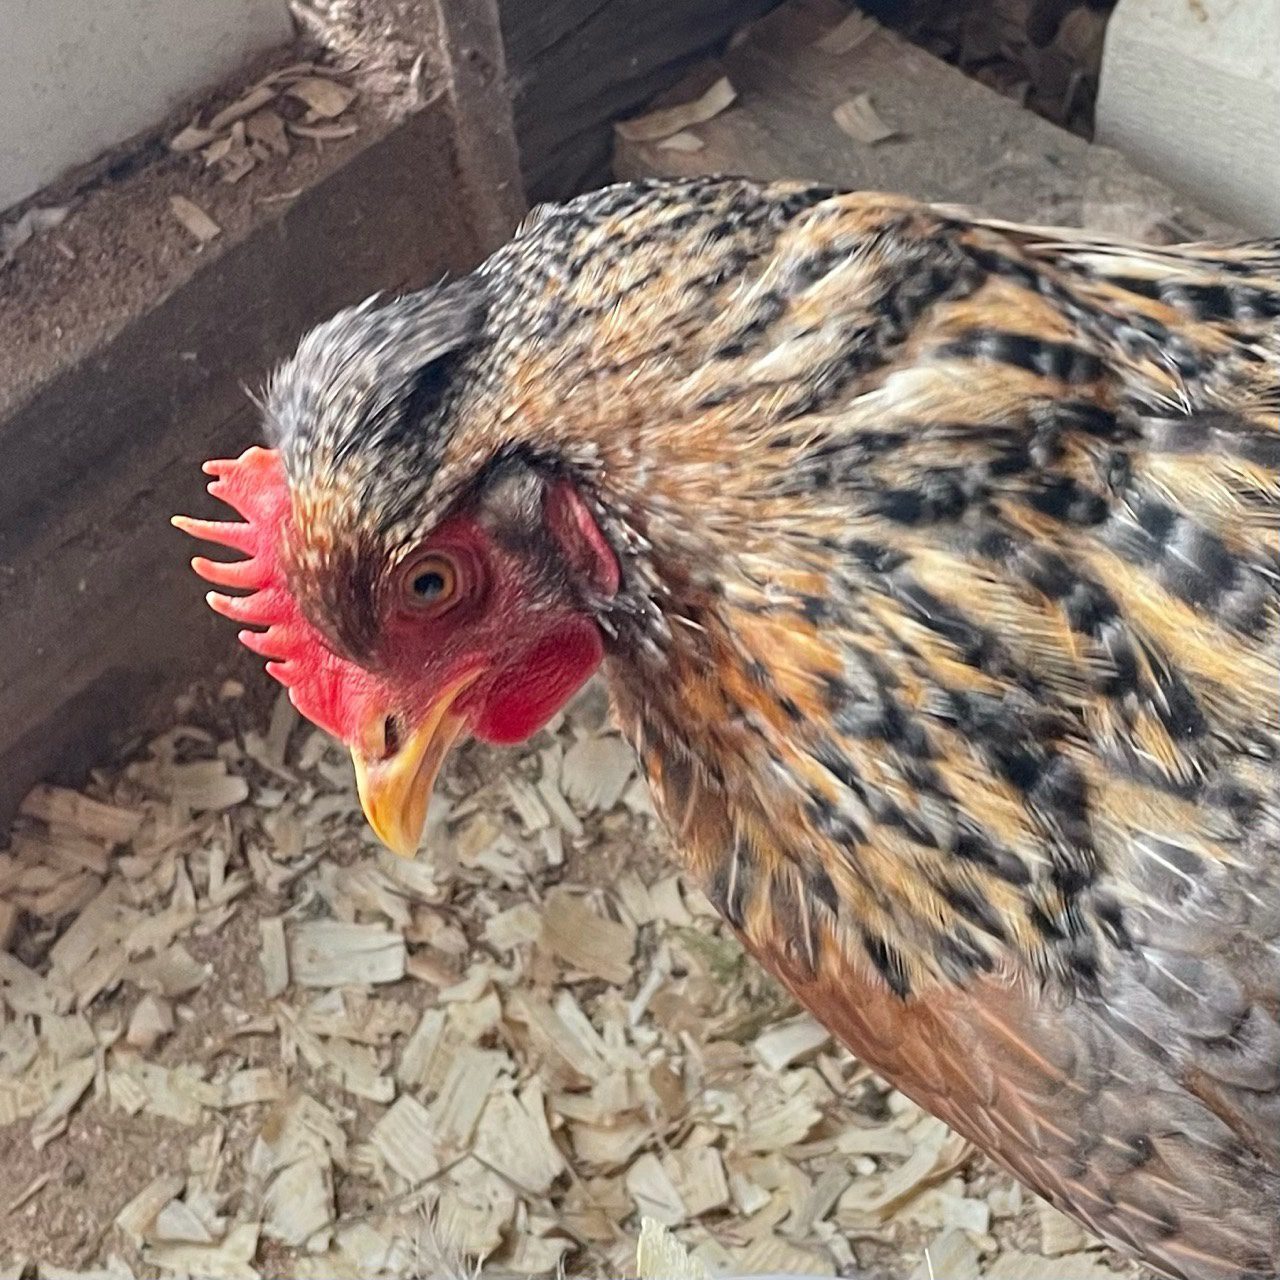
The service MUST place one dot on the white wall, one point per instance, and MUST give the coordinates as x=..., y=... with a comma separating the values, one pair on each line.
x=1190, y=92
x=80, y=76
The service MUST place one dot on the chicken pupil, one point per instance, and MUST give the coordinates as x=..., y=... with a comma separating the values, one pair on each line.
x=429, y=585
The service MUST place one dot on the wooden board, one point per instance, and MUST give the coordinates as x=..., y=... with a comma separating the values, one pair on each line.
x=957, y=141
x=576, y=65
x=101, y=620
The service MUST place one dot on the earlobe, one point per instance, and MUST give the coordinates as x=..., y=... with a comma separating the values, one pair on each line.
x=580, y=538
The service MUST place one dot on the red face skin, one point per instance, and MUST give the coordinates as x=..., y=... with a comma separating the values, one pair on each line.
x=528, y=654
x=495, y=656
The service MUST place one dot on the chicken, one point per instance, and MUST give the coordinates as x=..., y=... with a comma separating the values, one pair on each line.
x=933, y=564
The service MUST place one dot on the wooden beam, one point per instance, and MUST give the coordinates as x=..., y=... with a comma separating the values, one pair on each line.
x=101, y=620
x=577, y=65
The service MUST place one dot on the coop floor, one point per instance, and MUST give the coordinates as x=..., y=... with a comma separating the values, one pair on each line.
x=240, y=1040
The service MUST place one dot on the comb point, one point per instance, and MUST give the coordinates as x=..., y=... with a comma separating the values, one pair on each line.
x=256, y=487
x=218, y=602
x=266, y=644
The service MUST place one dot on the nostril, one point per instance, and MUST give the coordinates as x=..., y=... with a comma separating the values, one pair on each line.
x=391, y=736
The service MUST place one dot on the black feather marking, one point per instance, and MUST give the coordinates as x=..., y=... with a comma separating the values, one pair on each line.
x=961, y=954
x=939, y=495
x=837, y=826
x=1062, y=498
x=1211, y=302
x=973, y=847
x=1059, y=360
x=889, y=964
x=1044, y=924
x=1060, y=796
x=1190, y=562
x=1220, y=433
x=822, y=888
x=976, y=645
x=974, y=907
x=815, y=609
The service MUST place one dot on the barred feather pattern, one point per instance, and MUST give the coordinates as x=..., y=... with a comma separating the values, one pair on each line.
x=949, y=640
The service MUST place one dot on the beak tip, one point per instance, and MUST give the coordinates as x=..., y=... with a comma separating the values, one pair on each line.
x=401, y=845
x=395, y=792
x=390, y=813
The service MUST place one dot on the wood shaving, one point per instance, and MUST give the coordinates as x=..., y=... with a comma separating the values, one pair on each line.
x=462, y=1097
x=1025, y=1266
x=32, y=222
x=1059, y=1234
x=274, y=956
x=595, y=772
x=245, y=105
x=325, y=98
x=268, y=129
x=68, y=1088
x=149, y=1023
x=138, y=1216
x=304, y=100
x=322, y=132
x=299, y=1203
x=660, y=1256
x=327, y=953
x=229, y=1260
x=848, y=34
x=653, y=1192
x=336, y=1062
x=178, y=1223
x=952, y=1255
x=586, y=941
x=404, y=1139
x=194, y=219
x=698, y=1175
x=858, y=118
x=666, y=121
x=682, y=141
x=789, y=1042
x=72, y=811
x=513, y=1137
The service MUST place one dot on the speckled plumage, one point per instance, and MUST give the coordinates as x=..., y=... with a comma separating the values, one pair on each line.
x=949, y=632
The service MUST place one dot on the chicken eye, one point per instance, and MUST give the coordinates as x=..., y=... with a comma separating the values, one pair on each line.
x=431, y=583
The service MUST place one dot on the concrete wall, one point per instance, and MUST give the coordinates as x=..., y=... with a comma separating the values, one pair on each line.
x=77, y=77
x=1191, y=92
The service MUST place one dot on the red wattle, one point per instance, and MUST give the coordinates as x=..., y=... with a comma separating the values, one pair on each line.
x=528, y=694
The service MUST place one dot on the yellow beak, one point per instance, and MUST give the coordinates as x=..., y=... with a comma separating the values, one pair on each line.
x=395, y=791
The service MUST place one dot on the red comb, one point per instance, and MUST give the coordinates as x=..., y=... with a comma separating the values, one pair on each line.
x=327, y=689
